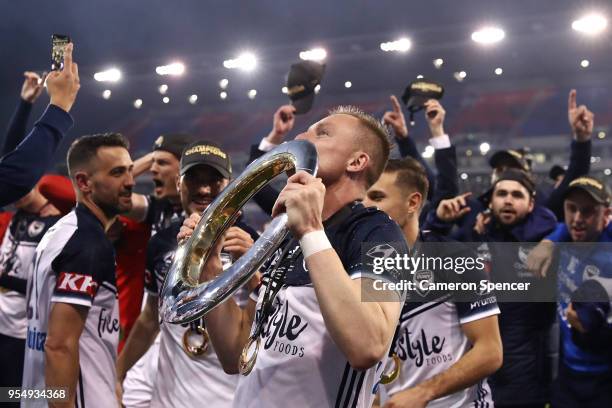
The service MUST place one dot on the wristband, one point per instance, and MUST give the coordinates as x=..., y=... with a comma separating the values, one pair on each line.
x=314, y=242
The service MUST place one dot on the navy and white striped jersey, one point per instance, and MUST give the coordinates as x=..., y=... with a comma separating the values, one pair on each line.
x=75, y=264
x=298, y=363
x=429, y=338
x=16, y=254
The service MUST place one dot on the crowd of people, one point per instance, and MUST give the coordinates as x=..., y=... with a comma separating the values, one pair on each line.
x=83, y=259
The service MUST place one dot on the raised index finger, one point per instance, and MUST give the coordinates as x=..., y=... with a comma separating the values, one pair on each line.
x=396, y=105
x=571, y=100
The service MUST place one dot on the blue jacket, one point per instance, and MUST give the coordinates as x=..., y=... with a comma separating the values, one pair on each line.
x=579, y=267
x=21, y=169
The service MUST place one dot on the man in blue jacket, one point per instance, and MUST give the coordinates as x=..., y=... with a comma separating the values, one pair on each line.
x=584, y=272
x=21, y=169
x=527, y=329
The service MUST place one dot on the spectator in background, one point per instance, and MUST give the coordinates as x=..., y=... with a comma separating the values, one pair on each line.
x=21, y=169
x=581, y=124
x=527, y=329
x=584, y=280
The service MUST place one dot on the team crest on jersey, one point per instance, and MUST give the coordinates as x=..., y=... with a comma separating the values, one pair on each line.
x=423, y=275
x=590, y=272
x=35, y=228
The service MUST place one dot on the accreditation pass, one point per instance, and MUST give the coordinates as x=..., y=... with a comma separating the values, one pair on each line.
x=14, y=394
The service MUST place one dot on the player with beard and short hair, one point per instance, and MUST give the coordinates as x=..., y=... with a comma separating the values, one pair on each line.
x=73, y=322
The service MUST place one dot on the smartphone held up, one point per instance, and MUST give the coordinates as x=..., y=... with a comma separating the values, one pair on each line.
x=58, y=45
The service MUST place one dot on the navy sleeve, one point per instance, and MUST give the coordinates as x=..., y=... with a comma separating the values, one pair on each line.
x=150, y=282
x=267, y=196
x=408, y=148
x=374, y=239
x=447, y=185
x=17, y=127
x=579, y=165
x=80, y=271
x=13, y=283
x=21, y=169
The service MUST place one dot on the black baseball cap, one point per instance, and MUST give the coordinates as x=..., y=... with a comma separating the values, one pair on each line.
x=519, y=176
x=420, y=91
x=512, y=158
x=302, y=79
x=208, y=153
x=172, y=142
x=556, y=171
x=593, y=187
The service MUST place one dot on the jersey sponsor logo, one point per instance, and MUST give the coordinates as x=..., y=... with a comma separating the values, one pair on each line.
x=283, y=330
x=35, y=228
x=35, y=339
x=76, y=283
x=106, y=323
x=421, y=349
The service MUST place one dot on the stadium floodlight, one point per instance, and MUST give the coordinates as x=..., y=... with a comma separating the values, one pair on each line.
x=420, y=76
x=223, y=95
x=174, y=69
x=252, y=93
x=165, y=99
x=106, y=94
x=585, y=63
x=464, y=176
x=223, y=83
x=401, y=45
x=245, y=62
x=315, y=54
x=138, y=103
x=193, y=99
x=484, y=148
x=348, y=84
x=110, y=75
x=590, y=24
x=488, y=35
x=460, y=76
x=285, y=90
x=163, y=88
x=438, y=62
x=317, y=88
x=499, y=71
